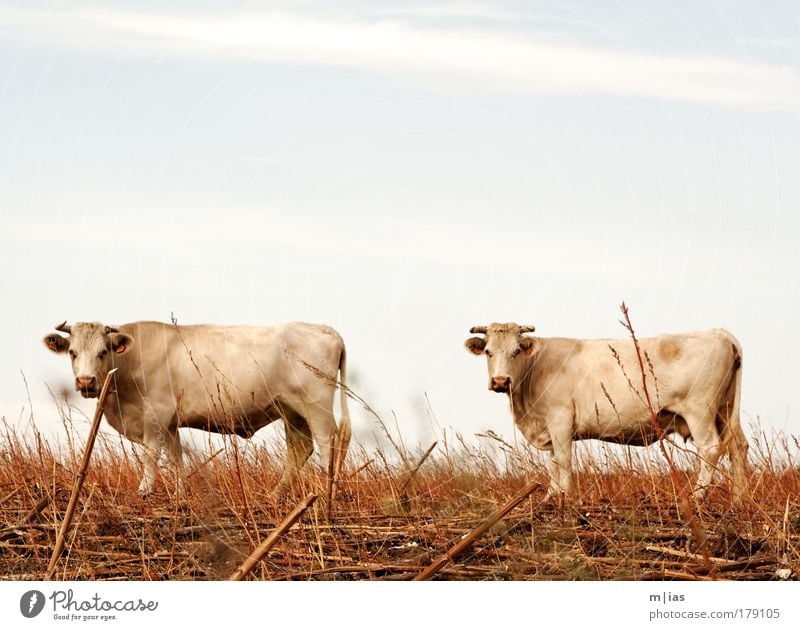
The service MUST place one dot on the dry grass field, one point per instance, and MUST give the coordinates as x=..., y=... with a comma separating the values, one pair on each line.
x=392, y=517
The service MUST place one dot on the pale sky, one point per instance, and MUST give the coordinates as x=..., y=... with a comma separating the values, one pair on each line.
x=403, y=171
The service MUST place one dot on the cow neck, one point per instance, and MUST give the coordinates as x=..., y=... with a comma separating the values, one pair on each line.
x=113, y=408
x=113, y=411
x=519, y=396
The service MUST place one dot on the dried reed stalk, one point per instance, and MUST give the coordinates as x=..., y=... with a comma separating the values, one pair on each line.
x=418, y=466
x=686, y=505
x=79, y=478
x=462, y=545
x=204, y=463
x=273, y=538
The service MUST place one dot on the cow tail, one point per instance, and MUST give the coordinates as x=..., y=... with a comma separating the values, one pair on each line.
x=344, y=432
x=734, y=441
x=731, y=422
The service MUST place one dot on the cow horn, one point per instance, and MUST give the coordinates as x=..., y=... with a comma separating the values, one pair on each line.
x=111, y=329
x=478, y=330
x=62, y=327
x=526, y=329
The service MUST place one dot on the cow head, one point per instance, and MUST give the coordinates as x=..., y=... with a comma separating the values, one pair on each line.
x=505, y=349
x=91, y=347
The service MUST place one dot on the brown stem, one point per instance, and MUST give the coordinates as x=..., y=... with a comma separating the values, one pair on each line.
x=81, y=476
x=462, y=545
x=686, y=504
x=418, y=466
x=262, y=550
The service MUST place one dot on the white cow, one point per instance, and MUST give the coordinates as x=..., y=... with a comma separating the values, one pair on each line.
x=573, y=389
x=223, y=379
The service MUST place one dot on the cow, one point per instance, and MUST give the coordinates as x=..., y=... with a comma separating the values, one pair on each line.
x=561, y=390
x=222, y=379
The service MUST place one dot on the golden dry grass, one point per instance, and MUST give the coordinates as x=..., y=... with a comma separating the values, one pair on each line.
x=389, y=524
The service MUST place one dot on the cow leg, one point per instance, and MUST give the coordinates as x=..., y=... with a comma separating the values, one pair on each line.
x=299, y=446
x=709, y=446
x=175, y=451
x=560, y=466
x=153, y=440
x=323, y=427
x=150, y=456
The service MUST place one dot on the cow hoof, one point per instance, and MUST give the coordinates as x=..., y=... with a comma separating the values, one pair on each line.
x=699, y=495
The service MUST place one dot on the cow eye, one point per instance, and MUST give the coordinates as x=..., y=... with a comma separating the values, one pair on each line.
x=488, y=354
x=515, y=352
x=72, y=354
x=102, y=354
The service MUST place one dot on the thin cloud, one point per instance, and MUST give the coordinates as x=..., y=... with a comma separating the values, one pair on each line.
x=483, y=58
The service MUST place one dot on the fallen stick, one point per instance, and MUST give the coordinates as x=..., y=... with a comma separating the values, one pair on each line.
x=19, y=532
x=273, y=538
x=36, y=510
x=462, y=545
x=12, y=532
x=79, y=478
x=683, y=554
x=354, y=568
x=10, y=495
x=672, y=575
x=737, y=565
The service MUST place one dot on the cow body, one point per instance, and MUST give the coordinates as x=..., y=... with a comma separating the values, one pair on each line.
x=223, y=379
x=563, y=390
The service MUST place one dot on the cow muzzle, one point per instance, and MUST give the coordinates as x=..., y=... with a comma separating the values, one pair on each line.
x=501, y=384
x=87, y=386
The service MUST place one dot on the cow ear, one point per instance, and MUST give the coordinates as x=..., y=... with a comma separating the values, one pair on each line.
x=120, y=342
x=527, y=346
x=56, y=343
x=475, y=345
